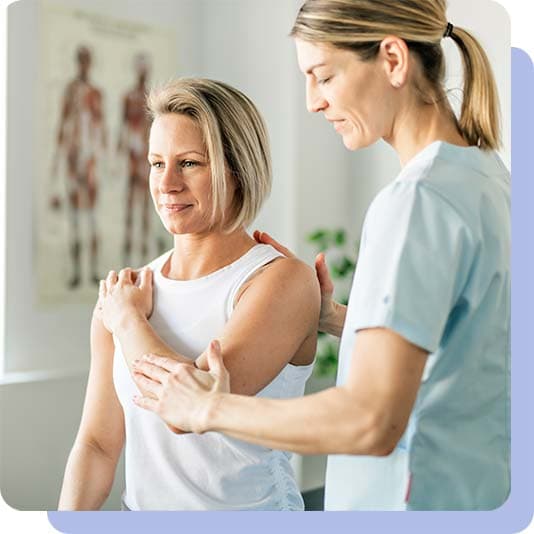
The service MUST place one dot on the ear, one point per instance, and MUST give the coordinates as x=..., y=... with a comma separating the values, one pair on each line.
x=395, y=55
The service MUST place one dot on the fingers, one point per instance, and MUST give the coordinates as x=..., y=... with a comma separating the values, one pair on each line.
x=327, y=286
x=215, y=360
x=217, y=369
x=147, y=385
x=111, y=280
x=154, y=372
x=168, y=364
x=146, y=278
x=266, y=239
x=202, y=362
x=125, y=276
x=146, y=403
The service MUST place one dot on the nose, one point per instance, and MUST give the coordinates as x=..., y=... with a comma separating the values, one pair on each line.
x=315, y=101
x=171, y=180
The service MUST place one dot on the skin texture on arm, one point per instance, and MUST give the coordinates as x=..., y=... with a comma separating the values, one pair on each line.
x=366, y=416
x=93, y=459
x=274, y=322
x=332, y=315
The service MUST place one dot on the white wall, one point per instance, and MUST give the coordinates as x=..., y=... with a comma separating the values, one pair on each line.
x=248, y=47
x=317, y=183
x=40, y=412
x=38, y=422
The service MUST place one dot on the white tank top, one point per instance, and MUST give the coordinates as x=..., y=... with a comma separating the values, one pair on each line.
x=212, y=471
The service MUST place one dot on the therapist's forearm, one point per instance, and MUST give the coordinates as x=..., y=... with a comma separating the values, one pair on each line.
x=329, y=422
x=137, y=337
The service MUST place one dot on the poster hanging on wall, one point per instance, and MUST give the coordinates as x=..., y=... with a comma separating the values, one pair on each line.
x=92, y=206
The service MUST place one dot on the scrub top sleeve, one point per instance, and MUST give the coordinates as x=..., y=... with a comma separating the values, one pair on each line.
x=412, y=264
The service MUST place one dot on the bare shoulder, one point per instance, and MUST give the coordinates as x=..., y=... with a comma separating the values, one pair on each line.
x=287, y=278
x=290, y=268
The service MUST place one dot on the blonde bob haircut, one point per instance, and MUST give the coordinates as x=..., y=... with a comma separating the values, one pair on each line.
x=361, y=25
x=236, y=141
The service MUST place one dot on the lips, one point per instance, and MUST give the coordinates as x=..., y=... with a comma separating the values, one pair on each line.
x=175, y=208
x=336, y=123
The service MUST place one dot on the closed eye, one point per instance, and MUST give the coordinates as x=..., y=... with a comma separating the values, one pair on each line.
x=323, y=81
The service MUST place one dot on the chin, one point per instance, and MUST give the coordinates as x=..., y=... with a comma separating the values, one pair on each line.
x=353, y=142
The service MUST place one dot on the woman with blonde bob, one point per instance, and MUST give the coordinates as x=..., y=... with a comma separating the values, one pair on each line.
x=210, y=173
x=419, y=418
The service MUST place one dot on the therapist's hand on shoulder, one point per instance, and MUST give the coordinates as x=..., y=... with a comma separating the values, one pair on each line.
x=123, y=295
x=181, y=394
x=332, y=314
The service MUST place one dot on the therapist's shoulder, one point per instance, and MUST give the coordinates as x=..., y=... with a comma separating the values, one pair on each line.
x=436, y=185
x=409, y=207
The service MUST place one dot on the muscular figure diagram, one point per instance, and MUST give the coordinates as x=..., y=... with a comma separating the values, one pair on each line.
x=133, y=140
x=81, y=138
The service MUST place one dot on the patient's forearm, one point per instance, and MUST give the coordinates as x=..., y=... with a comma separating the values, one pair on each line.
x=88, y=479
x=137, y=337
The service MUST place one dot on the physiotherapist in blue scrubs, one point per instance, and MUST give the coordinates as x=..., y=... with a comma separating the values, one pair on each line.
x=420, y=416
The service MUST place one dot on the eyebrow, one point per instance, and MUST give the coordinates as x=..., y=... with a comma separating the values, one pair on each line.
x=181, y=154
x=311, y=69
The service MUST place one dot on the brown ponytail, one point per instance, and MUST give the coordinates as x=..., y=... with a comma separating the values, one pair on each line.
x=479, y=119
x=360, y=26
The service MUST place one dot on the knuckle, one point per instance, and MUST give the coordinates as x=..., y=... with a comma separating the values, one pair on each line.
x=179, y=373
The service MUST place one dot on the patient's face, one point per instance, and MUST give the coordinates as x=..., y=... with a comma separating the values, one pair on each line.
x=180, y=177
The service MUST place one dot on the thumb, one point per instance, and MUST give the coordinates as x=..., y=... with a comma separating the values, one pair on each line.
x=327, y=286
x=215, y=359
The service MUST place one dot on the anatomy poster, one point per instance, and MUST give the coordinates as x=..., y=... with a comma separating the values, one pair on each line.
x=91, y=199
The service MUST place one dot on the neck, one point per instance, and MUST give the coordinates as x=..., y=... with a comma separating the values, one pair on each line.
x=420, y=125
x=196, y=255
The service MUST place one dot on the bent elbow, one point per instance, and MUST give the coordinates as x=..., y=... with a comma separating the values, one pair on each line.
x=377, y=439
x=385, y=450
x=386, y=441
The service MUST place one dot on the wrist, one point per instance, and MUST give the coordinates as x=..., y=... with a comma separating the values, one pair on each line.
x=335, y=319
x=208, y=420
x=341, y=313
x=128, y=319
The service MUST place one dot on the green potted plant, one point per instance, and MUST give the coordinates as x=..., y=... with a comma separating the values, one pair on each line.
x=341, y=265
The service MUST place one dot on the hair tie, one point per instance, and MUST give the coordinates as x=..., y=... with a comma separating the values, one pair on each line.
x=448, y=30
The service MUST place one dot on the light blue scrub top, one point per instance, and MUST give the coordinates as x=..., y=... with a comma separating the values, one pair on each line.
x=434, y=266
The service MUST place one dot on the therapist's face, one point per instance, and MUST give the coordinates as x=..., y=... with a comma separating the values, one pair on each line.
x=354, y=95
